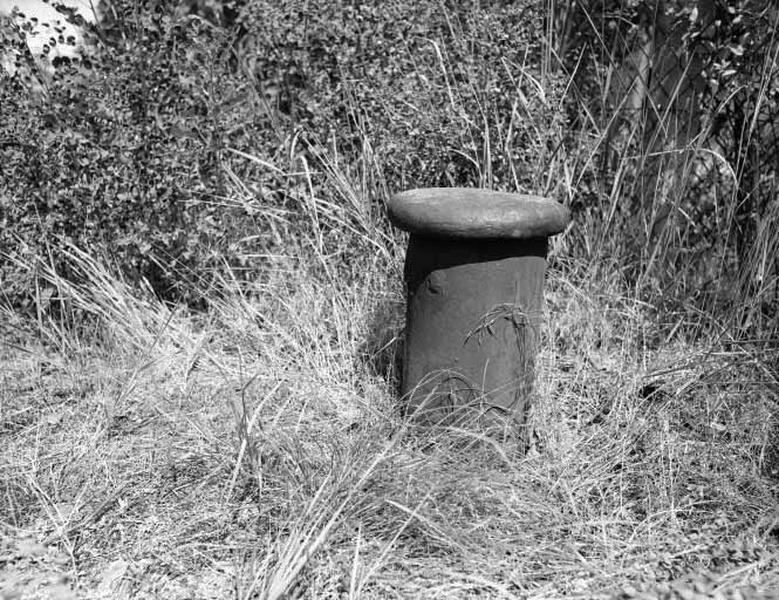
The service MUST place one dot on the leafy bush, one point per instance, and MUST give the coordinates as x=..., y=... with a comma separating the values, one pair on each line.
x=128, y=153
x=444, y=93
x=121, y=154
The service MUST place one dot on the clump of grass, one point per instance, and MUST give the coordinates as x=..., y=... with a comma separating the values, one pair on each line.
x=259, y=454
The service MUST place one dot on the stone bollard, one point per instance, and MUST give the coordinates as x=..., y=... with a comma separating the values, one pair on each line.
x=474, y=273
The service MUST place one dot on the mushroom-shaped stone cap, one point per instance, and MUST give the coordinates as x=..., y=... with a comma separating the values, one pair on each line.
x=475, y=213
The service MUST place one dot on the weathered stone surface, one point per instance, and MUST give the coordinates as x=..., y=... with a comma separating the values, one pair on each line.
x=474, y=276
x=472, y=321
x=476, y=214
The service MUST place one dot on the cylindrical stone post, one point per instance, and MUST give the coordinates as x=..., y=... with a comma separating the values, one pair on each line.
x=474, y=273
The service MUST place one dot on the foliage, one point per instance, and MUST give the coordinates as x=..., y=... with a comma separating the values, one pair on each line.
x=131, y=148
x=444, y=93
x=207, y=133
x=121, y=153
x=677, y=105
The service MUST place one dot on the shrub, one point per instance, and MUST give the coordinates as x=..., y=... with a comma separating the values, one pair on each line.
x=127, y=154
x=444, y=93
x=119, y=154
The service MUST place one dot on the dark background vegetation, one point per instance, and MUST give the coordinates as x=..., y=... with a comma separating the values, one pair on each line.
x=655, y=122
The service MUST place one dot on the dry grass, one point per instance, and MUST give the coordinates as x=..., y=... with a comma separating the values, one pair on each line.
x=257, y=451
